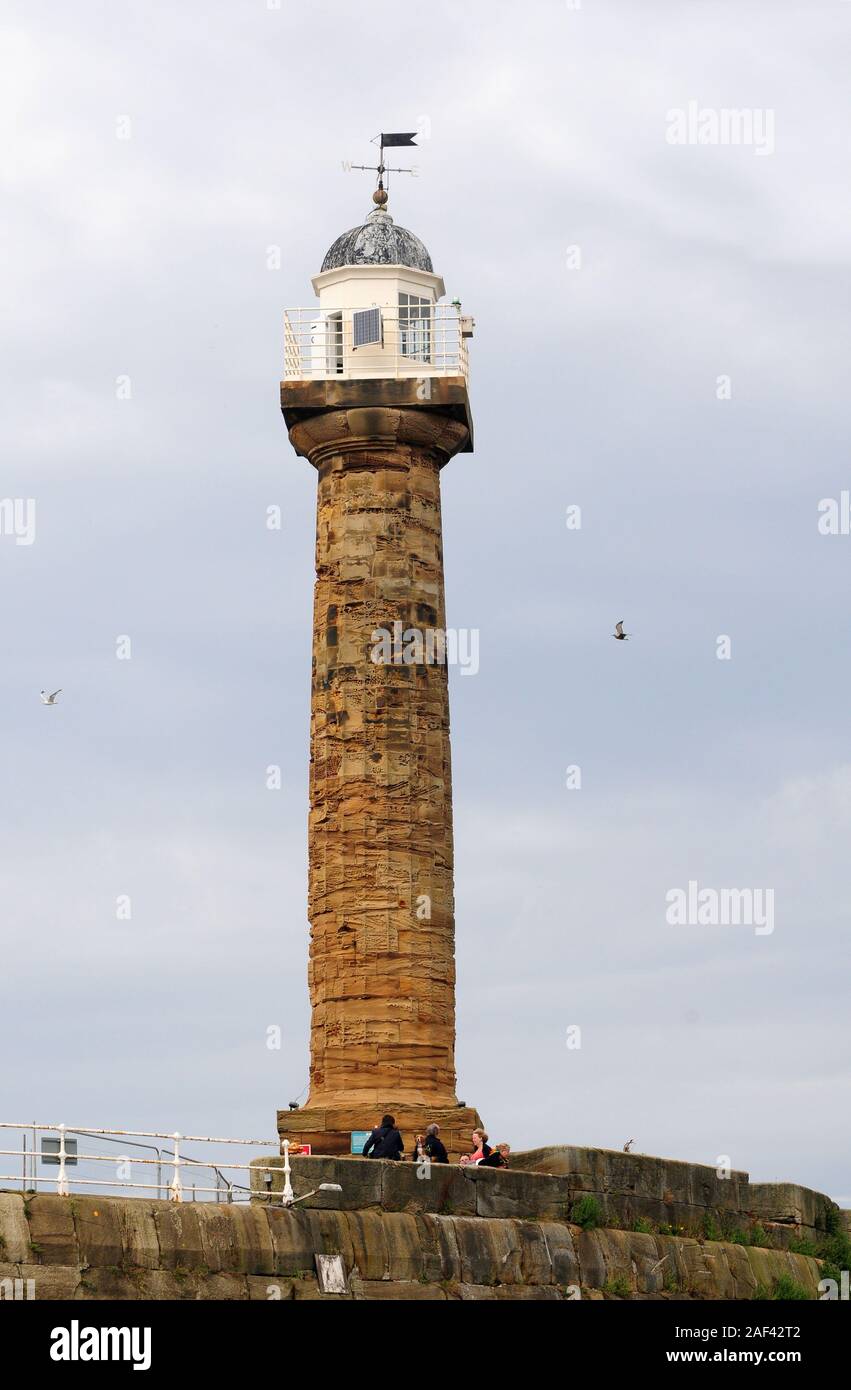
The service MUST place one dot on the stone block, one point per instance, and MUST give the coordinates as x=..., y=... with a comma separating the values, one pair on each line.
x=442, y=1257
x=292, y=1240
x=446, y=1190
x=368, y=1234
x=535, y=1261
x=383, y=1290
x=741, y=1274
x=565, y=1261
x=790, y=1204
x=139, y=1244
x=592, y=1264
x=14, y=1230
x=270, y=1289
x=98, y=1226
x=404, y=1251
x=52, y=1237
x=501, y=1193
x=475, y=1248
x=179, y=1235
x=52, y=1282
x=331, y=1236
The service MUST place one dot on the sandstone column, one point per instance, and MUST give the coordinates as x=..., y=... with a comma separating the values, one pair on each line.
x=382, y=972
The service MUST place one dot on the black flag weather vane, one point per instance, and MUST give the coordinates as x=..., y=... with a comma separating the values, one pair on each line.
x=387, y=141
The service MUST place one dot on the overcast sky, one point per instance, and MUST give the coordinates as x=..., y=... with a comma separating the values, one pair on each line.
x=544, y=128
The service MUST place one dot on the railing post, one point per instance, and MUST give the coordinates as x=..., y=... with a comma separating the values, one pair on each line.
x=176, y=1190
x=62, y=1180
x=288, y=1194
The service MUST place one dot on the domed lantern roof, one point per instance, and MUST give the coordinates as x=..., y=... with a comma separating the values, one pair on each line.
x=378, y=241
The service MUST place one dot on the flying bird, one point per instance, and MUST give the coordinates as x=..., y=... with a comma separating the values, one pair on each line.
x=619, y=634
x=50, y=699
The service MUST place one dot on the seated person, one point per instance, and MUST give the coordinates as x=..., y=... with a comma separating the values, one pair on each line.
x=497, y=1158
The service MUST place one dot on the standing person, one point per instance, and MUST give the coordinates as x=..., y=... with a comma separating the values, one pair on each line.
x=497, y=1158
x=385, y=1141
x=481, y=1148
x=434, y=1146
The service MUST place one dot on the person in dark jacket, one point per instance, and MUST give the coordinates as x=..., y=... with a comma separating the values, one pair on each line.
x=434, y=1147
x=385, y=1141
x=497, y=1158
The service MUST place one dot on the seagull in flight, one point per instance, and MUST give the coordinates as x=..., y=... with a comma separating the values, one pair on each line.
x=619, y=634
x=50, y=699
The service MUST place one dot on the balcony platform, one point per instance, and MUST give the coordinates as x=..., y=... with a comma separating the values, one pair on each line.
x=447, y=395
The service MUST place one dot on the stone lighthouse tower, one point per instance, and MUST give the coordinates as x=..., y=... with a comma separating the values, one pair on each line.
x=375, y=397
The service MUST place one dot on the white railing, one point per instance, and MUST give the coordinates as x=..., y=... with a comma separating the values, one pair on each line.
x=225, y=1189
x=319, y=345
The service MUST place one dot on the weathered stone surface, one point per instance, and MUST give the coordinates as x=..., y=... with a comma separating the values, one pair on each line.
x=359, y=1178
x=442, y=1257
x=447, y=1189
x=209, y=1251
x=98, y=1227
x=790, y=1204
x=370, y=1253
x=565, y=1261
x=52, y=1282
x=506, y=1193
x=386, y=1291
x=616, y=1250
x=331, y=1236
x=404, y=1250
x=592, y=1264
x=14, y=1230
x=535, y=1261
x=631, y=1186
x=52, y=1238
x=308, y=1289
x=235, y=1239
x=292, y=1240
x=178, y=1235
x=270, y=1289
x=381, y=907
x=139, y=1243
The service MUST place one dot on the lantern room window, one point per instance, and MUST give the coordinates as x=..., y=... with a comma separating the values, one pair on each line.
x=415, y=327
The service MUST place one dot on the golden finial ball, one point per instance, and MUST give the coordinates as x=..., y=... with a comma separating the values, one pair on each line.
x=380, y=197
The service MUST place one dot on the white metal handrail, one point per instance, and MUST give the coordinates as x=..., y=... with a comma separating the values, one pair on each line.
x=319, y=344
x=177, y=1160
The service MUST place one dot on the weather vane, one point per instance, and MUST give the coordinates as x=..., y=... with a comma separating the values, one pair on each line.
x=386, y=141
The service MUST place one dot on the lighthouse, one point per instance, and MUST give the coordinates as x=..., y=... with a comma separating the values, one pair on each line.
x=375, y=397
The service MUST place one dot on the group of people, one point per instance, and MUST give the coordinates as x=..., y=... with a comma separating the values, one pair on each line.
x=385, y=1141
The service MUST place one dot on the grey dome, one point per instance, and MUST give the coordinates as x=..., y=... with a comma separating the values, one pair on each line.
x=378, y=241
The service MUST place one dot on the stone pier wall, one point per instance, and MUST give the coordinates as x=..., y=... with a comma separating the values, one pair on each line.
x=133, y=1248
x=669, y=1192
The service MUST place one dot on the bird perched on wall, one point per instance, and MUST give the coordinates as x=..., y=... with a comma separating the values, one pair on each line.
x=627, y=1148
x=619, y=634
x=50, y=699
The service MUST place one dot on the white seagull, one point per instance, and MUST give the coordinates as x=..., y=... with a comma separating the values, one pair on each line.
x=619, y=634
x=50, y=699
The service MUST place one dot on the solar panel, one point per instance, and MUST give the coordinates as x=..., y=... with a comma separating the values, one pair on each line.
x=367, y=326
